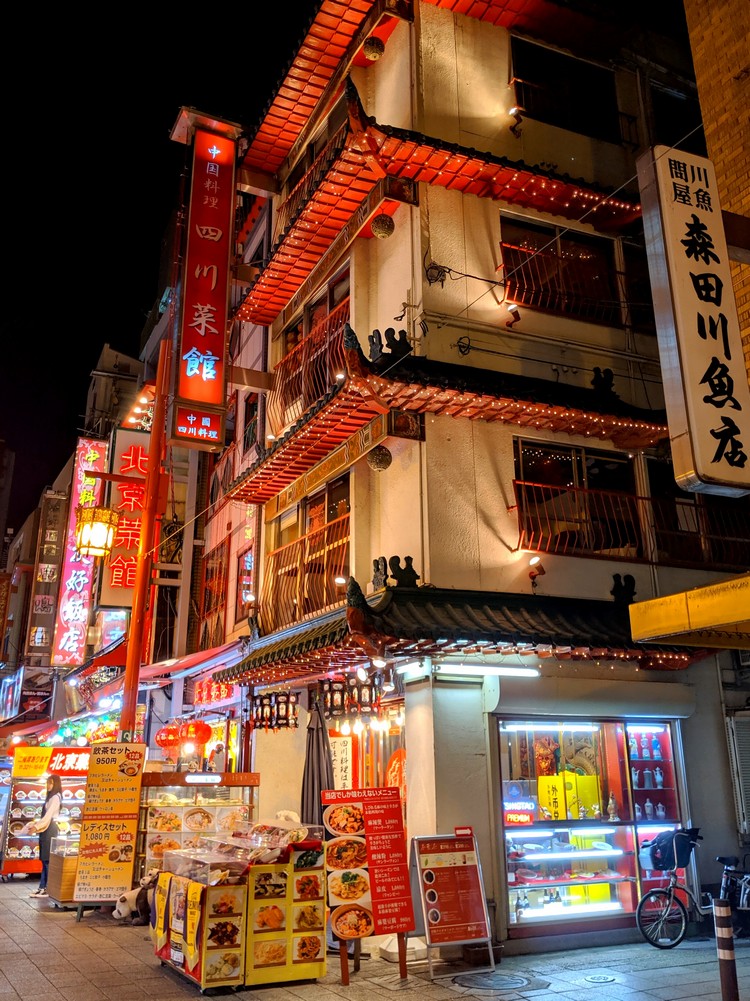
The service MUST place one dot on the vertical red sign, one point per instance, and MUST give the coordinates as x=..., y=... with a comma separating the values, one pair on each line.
x=201, y=363
x=71, y=626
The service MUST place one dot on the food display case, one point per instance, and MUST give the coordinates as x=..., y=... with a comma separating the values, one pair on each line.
x=26, y=803
x=179, y=809
x=578, y=800
x=5, y=770
x=244, y=909
x=63, y=864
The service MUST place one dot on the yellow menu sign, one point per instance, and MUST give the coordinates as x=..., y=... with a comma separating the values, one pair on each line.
x=31, y=762
x=110, y=822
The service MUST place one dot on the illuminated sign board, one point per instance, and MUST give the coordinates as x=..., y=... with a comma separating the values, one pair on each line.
x=72, y=620
x=706, y=387
x=127, y=497
x=197, y=416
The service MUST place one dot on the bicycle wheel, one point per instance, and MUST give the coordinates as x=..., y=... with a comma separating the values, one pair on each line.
x=661, y=918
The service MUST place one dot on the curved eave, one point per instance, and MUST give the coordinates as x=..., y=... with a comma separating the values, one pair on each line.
x=437, y=622
x=353, y=404
x=321, y=51
x=405, y=155
x=326, y=426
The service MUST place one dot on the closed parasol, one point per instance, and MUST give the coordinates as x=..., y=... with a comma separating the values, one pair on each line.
x=318, y=770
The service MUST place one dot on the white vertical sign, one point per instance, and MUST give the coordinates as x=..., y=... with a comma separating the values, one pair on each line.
x=705, y=380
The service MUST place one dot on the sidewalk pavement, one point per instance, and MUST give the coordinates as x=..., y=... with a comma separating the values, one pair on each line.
x=47, y=955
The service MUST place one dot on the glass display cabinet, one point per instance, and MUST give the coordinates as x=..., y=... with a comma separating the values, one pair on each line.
x=578, y=800
x=178, y=809
x=63, y=864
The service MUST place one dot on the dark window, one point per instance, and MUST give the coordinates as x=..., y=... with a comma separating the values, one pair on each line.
x=570, y=93
x=250, y=433
x=245, y=584
x=675, y=119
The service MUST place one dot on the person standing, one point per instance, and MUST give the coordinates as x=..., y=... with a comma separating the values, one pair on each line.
x=46, y=828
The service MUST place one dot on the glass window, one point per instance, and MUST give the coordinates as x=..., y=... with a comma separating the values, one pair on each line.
x=250, y=432
x=560, y=90
x=245, y=585
x=578, y=797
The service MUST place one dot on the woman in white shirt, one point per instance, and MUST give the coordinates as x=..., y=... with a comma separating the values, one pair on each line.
x=46, y=828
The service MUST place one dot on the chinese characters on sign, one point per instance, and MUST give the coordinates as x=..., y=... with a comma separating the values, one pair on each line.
x=197, y=416
x=110, y=822
x=367, y=870
x=451, y=890
x=127, y=497
x=69, y=644
x=705, y=380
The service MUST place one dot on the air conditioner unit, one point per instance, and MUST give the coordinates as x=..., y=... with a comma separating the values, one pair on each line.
x=743, y=656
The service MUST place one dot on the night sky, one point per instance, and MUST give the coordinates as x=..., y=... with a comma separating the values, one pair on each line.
x=91, y=180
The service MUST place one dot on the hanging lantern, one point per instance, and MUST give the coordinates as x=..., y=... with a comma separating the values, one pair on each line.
x=382, y=226
x=196, y=732
x=167, y=737
x=95, y=530
x=379, y=458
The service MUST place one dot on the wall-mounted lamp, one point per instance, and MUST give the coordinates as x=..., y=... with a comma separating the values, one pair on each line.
x=515, y=314
x=389, y=685
x=537, y=569
x=362, y=673
x=339, y=580
x=379, y=662
x=516, y=113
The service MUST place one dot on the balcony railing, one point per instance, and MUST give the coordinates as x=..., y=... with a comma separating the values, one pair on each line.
x=300, y=578
x=309, y=371
x=598, y=523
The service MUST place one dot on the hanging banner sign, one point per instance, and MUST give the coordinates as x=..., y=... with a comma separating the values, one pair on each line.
x=197, y=414
x=706, y=388
x=110, y=822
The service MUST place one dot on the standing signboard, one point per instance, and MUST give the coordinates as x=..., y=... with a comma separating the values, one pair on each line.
x=448, y=878
x=110, y=822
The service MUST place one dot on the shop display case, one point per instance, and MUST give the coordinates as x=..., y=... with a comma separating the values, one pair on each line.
x=5, y=772
x=63, y=864
x=26, y=803
x=179, y=809
x=579, y=798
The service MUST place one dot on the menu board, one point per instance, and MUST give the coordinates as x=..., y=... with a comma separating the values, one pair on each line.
x=287, y=918
x=110, y=822
x=451, y=889
x=367, y=873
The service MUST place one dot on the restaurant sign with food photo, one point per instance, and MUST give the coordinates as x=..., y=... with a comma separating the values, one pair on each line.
x=366, y=895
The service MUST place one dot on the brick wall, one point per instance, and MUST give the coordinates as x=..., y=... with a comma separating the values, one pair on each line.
x=719, y=33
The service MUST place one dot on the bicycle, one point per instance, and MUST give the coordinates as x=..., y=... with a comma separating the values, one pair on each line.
x=661, y=914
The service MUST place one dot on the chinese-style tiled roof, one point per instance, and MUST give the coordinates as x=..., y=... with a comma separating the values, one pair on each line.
x=329, y=45
x=370, y=151
x=423, y=386
x=440, y=622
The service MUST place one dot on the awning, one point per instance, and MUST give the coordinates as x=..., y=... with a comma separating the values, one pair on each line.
x=403, y=623
x=716, y=616
x=24, y=730
x=164, y=672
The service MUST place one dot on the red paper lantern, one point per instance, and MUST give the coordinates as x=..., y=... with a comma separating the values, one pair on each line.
x=168, y=736
x=196, y=732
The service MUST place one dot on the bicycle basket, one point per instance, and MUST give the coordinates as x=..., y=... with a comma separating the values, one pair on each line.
x=670, y=849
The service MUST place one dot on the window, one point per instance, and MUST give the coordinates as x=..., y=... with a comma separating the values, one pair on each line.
x=311, y=552
x=214, y=596
x=577, y=274
x=245, y=585
x=250, y=432
x=570, y=93
x=676, y=117
x=572, y=498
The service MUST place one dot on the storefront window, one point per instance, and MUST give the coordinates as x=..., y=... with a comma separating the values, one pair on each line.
x=578, y=799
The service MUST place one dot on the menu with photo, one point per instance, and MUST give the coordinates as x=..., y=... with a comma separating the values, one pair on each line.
x=367, y=871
